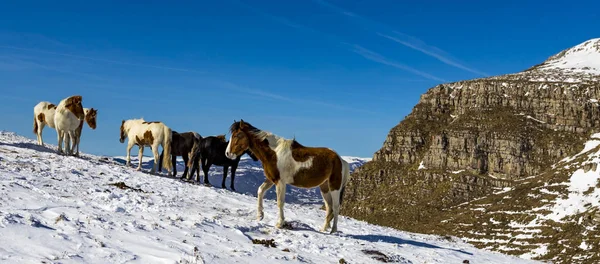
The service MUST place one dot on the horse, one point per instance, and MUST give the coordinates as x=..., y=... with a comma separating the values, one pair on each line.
x=181, y=145
x=285, y=161
x=152, y=134
x=43, y=114
x=211, y=150
x=68, y=117
x=90, y=119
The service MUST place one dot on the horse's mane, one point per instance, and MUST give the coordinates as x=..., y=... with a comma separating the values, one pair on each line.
x=222, y=138
x=260, y=134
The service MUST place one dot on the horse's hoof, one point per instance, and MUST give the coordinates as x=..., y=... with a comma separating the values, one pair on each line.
x=138, y=169
x=223, y=187
x=333, y=230
x=280, y=224
x=233, y=189
x=260, y=216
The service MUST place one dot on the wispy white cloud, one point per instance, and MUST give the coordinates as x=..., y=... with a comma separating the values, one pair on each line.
x=27, y=38
x=432, y=51
x=16, y=63
x=102, y=60
x=371, y=55
x=404, y=39
x=376, y=57
x=263, y=94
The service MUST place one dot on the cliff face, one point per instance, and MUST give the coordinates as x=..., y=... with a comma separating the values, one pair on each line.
x=467, y=139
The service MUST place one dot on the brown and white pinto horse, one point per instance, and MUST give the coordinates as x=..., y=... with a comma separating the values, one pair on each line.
x=43, y=115
x=285, y=161
x=152, y=134
x=68, y=117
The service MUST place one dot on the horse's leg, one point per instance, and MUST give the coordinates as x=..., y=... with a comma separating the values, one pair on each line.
x=39, y=132
x=75, y=140
x=186, y=169
x=335, y=197
x=156, y=158
x=233, y=168
x=197, y=162
x=67, y=138
x=60, y=135
x=205, y=169
x=160, y=161
x=225, y=169
x=328, y=209
x=280, y=189
x=267, y=184
x=129, y=146
x=140, y=156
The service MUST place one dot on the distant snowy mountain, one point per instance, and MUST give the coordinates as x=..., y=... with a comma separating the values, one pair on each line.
x=62, y=209
x=249, y=176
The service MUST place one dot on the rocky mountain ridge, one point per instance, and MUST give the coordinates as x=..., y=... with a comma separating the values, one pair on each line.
x=468, y=139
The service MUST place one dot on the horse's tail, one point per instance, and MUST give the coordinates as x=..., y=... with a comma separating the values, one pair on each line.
x=345, y=177
x=35, y=125
x=168, y=136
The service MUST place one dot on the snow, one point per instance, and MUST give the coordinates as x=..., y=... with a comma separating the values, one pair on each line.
x=576, y=201
x=56, y=208
x=421, y=166
x=583, y=58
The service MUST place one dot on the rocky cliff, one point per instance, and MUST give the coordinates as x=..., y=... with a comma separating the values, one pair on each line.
x=466, y=140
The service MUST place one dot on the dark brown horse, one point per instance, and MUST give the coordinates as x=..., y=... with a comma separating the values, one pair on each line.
x=181, y=145
x=285, y=161
x=211, y=150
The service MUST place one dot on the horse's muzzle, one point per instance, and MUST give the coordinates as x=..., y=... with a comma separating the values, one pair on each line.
x=230, y=155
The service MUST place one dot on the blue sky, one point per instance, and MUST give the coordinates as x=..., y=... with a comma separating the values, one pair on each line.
x=338, y=74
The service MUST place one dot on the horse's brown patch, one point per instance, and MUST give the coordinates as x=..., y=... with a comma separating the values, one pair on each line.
x=41, y=117
x=51, y=106
x=122, y=130
x=326, y=167
x=73, y=103
x=147, y=140
x=90, y=118
x=151, y=122
x=222, y=138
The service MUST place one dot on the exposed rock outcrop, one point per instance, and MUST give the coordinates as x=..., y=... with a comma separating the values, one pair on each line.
x=467, y=139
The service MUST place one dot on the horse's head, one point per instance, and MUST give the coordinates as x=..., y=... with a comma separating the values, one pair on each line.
x=239, y=141
x=90, y=117
x=74, y=105
x=123, y=132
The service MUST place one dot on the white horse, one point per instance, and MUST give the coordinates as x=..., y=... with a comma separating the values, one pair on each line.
x=152, y=134
x=68, y=117
x=43, y=114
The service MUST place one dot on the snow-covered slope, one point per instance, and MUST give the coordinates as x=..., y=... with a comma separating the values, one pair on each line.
x=584, y=57
x=578, y=64
x=57, y=209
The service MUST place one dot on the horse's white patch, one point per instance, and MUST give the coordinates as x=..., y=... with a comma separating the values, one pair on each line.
x=286, y=164
x=228, y=153
x=270, y=137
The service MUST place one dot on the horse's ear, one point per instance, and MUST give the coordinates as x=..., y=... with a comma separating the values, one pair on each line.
x=241, y=122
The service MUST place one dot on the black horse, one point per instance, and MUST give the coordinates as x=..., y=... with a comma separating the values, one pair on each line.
x=181, y=145
x=211, y=150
